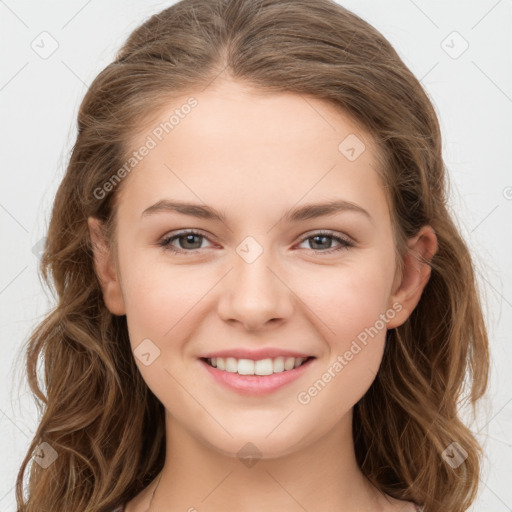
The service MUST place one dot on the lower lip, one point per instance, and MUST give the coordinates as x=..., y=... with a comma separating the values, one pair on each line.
x=256, y=384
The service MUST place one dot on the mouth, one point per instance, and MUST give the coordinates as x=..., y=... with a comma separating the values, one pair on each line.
x=255, y=377
x=260, y=367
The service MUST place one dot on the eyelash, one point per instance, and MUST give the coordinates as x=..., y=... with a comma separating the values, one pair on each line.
x=345, y=242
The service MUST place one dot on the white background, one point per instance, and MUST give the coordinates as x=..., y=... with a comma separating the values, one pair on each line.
x=39, y=100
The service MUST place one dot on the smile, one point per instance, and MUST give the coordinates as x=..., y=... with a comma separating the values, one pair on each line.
x=255, y=377
x=266, y=366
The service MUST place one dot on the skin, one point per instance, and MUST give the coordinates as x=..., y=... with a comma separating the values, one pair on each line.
x=255, y=156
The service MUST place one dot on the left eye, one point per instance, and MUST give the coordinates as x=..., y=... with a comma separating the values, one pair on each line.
x=188, y=240
x=319, y=239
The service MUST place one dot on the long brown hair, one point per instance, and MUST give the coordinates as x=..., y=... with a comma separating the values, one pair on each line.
x=97, y=413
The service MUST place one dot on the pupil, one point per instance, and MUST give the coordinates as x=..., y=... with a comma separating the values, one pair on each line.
x=189, y=239
x=324, y=237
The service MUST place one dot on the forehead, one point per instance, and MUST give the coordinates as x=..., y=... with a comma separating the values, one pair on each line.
x=250, y=116
x=243, y=146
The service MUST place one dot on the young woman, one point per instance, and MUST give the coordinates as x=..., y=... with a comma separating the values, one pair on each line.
x=263, y=301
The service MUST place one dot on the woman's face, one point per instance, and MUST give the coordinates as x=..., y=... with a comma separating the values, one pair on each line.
x=275, y=275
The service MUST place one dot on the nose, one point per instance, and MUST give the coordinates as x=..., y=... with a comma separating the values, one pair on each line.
x=255, y=294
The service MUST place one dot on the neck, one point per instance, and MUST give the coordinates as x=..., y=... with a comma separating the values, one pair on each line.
x=323, y=475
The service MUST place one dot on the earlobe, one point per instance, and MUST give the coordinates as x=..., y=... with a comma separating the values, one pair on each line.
x=415, y=274
x=105, y=267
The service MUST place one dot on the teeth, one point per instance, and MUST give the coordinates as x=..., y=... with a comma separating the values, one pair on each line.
x=231, y=365
x=289, y=363
x=260, y=367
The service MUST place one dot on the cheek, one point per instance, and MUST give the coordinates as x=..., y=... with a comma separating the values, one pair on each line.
x=158, y=296
x=353, y=307
x=353, y=311
x=348, y=300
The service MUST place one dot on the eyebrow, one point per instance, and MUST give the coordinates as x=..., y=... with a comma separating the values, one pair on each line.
x=305, y=212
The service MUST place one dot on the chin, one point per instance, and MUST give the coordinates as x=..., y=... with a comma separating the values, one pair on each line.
x=251, y=443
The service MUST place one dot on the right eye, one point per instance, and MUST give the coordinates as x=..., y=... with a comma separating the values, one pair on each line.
x=184, y=238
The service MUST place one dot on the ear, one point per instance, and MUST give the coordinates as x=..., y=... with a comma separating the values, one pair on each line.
x=105, y=267
x=408, y=286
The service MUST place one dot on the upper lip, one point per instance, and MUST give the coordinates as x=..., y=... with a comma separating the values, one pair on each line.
x=255, y=355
